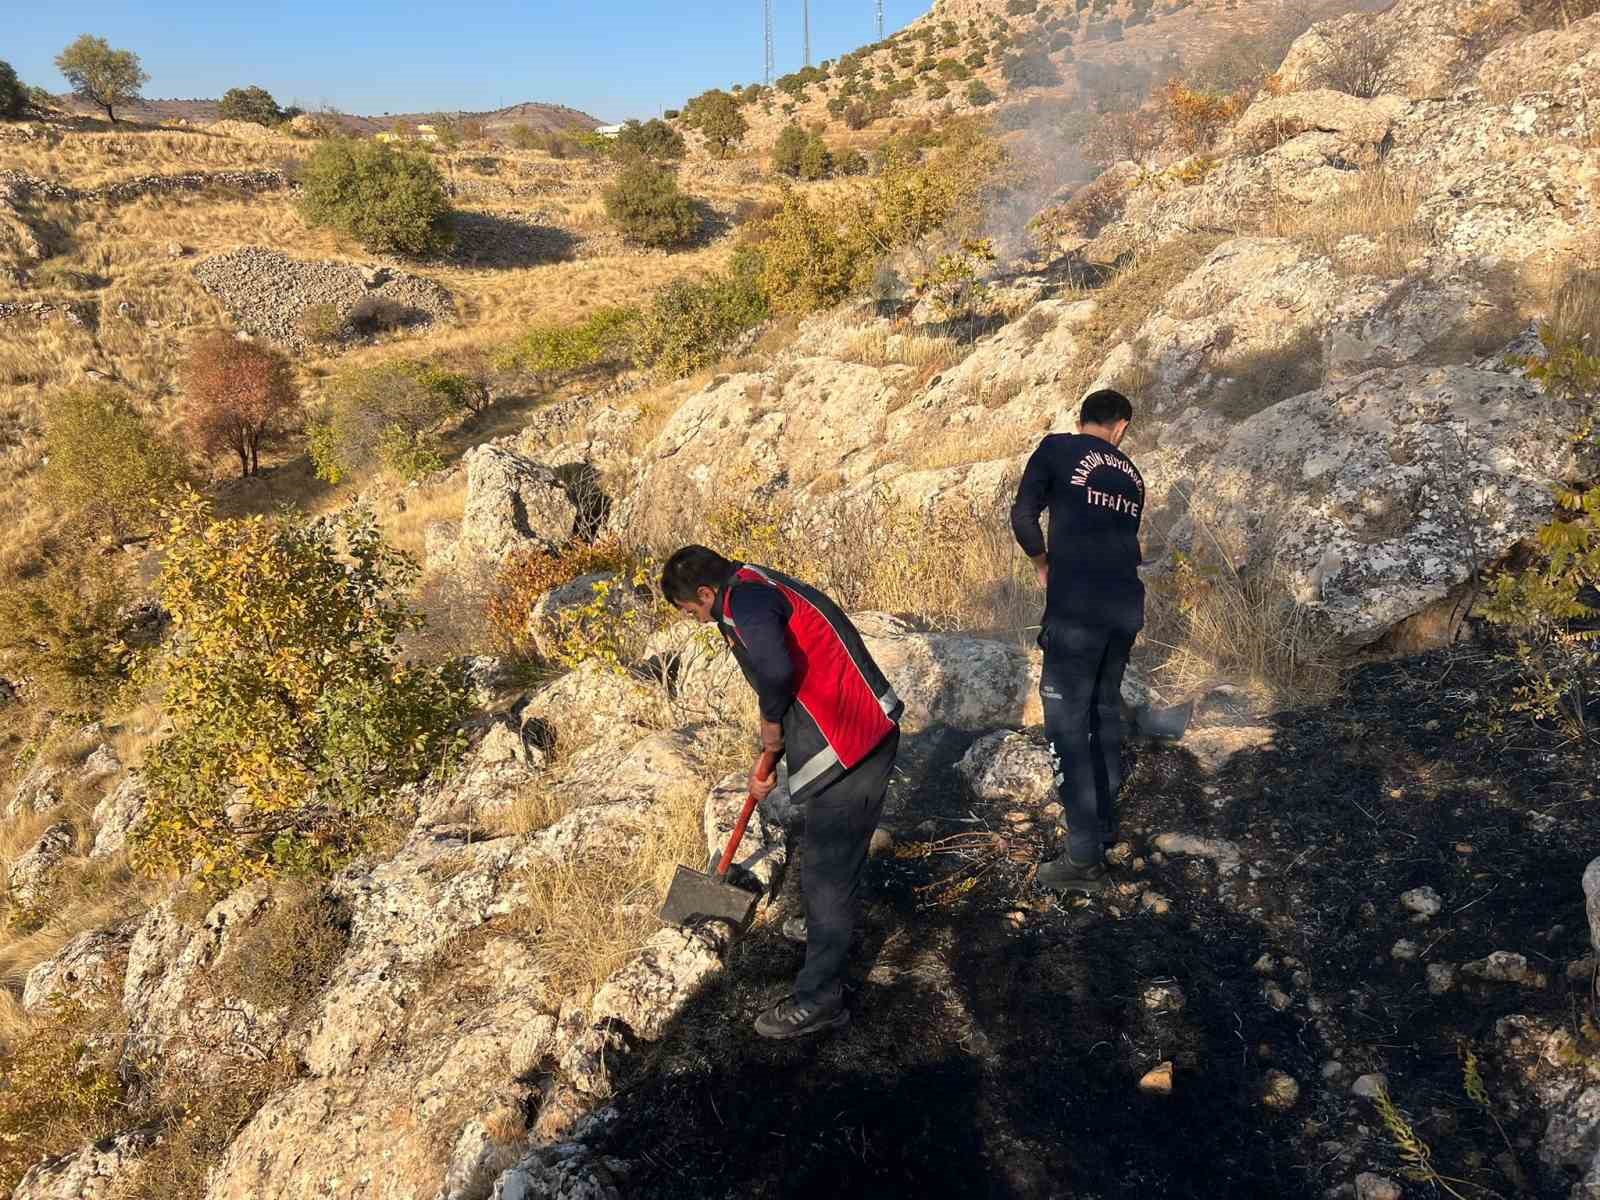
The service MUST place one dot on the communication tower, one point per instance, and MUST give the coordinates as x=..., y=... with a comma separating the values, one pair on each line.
x=805, y=7
x=878, y=4
x=768, y=4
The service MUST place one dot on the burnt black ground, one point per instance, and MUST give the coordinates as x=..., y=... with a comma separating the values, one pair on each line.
x=995, y=1059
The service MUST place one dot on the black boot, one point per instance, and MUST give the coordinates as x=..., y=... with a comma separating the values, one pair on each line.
x=1064, y=875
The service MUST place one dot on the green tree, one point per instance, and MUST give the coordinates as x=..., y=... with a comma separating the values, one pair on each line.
x=294, y=720
x=651, y=139
x=388, y=199
x=552, y=349
x=103, y=76
x=13, y=96
x=648, y=207
x=979, y=94
x=105, y=463
x=719, y=119
x=250, y=104
x=816, y=160
x=788, y=149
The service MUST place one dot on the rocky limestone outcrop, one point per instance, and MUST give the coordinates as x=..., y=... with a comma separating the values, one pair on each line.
x=513, y=503
x=33, y=873
x=116, y=816
x=95, y=1172
x=1591, y=902
x=39, y=789
x=90, y=965
x=174, y=1010
x=1430, y=43
x=1382, y=493
x=1552, y=60
x=560, y=610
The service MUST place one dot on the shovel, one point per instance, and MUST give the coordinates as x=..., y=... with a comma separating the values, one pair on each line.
x=697, y=896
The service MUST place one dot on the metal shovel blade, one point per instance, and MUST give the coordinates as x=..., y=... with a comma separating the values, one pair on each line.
x=696, y=896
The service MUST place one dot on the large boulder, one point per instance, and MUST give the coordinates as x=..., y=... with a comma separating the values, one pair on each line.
x=1428, y=45
x=701, y=676
x=1361, y=125
x=175, y=1011
x=597, y=702
x=966, y=683
x=563, y=611
x=33, y=873
x=1380, y=494
x=116, y=816
x=762, y=852
x=39, y=789
x=1543, y=62
x=513, y=503
x=505, y=759
x=90, y=965
x=99, y=1171
x=398, y=1127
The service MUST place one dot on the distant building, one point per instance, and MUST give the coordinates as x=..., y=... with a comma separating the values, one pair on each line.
x=609, y=131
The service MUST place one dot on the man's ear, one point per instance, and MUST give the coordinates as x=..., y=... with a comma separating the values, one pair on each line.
x=707, y=595
x=1118, y=432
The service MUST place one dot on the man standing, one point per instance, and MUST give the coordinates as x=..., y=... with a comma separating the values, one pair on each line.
x=828, y=708
x=1094, y=608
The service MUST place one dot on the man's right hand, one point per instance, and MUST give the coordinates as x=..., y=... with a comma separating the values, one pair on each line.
x=762, y=787
x=1041, y=565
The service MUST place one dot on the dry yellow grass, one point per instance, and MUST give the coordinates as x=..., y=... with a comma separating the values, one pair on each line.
x=94, y=159
x=1381, y=206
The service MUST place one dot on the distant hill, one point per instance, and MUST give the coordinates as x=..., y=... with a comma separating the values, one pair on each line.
x=542, y=118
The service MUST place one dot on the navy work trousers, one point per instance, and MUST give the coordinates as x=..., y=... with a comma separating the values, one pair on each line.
x=839, y=824
x=1082, y=692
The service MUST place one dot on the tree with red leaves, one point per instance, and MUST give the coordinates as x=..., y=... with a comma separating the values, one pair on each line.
x=235, y=395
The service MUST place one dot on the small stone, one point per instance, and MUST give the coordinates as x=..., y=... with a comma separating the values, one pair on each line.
x=1582, y=969
x=1441, y=978
x=1464, y=848
x=1280, y=1091
x=1423, y=901
x=1016, y=918
x=1265, y=965
x=1301, y=980
x=1119, y=854
x=1502, y=966
x=1431, y=726
x=1053, y=810
x=1369, y=1086
x=1396, y=793
x=1376, y=1187
x=1163, y=997
x=176, y=250
x=1405, y=950
x=1156, y=904
x=1157, y=1081
x=1276, y=996
x=882, y=844
x=1332, y=1070
x=1138, y=864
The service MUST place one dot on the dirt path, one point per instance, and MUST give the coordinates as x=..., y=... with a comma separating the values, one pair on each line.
x=1000, y=1036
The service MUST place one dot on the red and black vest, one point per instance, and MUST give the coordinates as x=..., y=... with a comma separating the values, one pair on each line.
x=843, y=705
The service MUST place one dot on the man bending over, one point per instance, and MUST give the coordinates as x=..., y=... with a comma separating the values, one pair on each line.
x=828, y=708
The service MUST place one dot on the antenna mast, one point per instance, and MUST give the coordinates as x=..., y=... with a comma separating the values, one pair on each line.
x=879, y=5
x=768, y=4
x=806, y=9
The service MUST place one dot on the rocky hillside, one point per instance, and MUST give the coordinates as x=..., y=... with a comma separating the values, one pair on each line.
x=1352, y=946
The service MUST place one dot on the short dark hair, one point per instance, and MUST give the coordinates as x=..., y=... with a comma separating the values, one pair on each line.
x=1105, y=407
x=690, y=569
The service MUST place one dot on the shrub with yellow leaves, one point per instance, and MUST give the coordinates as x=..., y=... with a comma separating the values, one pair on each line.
x=293, y=719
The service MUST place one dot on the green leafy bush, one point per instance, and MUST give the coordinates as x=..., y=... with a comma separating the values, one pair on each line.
x=250, y=104
x=648, y=207
x=13, y=96
x=816, y=160
x=690, y=323
x=559, y=349
x=979, y=94
x=787, y=150
x=652, y=139
x=387, y=415
x=105, y=463
x=1032, y=69
x=390, y=200
x=293, y=720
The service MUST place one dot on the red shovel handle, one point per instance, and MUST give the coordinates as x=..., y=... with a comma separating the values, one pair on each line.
x=764, y=770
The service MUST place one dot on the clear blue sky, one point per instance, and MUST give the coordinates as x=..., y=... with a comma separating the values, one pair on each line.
x=614, y=60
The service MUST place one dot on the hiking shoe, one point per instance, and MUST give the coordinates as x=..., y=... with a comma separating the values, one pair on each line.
x=794, y=928
x=788, y=1018
x=1064, y=875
